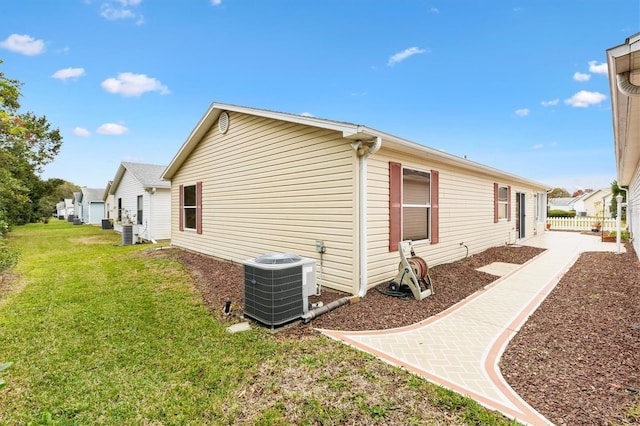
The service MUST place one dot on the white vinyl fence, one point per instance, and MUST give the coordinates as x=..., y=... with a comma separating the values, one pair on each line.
x=582, y=223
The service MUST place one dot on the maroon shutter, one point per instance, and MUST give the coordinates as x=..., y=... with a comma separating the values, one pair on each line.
x=435, y=207
x=181, y=208
x=199, y=207
x=495, y=203
x=395, y=205
x=509, y=203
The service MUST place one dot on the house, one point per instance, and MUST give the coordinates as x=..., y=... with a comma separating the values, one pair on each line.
x=77, y=207
x=562, y=203
x=248, y=181
x=623, y=64
x=64, y=208
x=594, y=204
x=143, y=199
x=91, y=205
x=109, y=202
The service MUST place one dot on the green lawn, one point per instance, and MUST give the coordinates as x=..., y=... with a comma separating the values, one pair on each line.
x=105, y=334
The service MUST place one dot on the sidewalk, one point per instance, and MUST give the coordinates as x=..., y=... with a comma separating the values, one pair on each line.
x=461, y=347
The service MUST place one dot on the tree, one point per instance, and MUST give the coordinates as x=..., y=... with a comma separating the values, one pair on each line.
x=615, y=191
x=558, y=193
x=27, y=144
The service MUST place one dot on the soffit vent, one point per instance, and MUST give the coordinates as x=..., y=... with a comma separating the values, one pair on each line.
x=223, y=123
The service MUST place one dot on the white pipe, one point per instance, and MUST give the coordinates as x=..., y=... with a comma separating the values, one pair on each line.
x=618, y=221
x=626, y=86
x=363, y=263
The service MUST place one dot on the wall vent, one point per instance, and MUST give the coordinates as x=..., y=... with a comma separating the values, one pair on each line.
x=223, y=123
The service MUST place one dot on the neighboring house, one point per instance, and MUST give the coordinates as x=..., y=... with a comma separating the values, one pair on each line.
x=247, y=182
x=109, y=202
x=64, y=208
x=623, y=63
x=562, y=203
x=142, y=198
x=594, y=204
x=77, y=205
x=92, y=206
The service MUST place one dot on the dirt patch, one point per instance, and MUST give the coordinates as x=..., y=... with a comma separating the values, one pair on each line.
x=576, y=360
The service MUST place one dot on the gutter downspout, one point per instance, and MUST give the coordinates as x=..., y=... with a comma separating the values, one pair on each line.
x=626, y=86
x=149, y=233
x=363, y=154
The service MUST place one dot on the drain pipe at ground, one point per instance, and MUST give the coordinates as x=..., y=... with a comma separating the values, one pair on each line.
x=324, y=309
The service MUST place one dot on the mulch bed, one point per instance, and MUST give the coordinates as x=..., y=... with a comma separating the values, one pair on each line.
x=576, y=361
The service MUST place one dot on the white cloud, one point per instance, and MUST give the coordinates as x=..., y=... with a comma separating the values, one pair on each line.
x=307, y=114
x=401, y=56
x=23, y=44
x=522, y=112
x=434, y=10
x=216, y=2
x=112, y=129
x=129, y=84
x=121, y=9
x=584, y=99
x=597, y=68
x=552, y=102
x=538, y=146
x=81, y=132
x=581, y=76
x=66, y=73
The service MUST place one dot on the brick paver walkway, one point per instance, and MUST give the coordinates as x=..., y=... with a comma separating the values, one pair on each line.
x=460, y=348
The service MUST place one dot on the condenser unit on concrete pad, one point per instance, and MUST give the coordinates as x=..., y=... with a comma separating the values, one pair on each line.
x=277, y=287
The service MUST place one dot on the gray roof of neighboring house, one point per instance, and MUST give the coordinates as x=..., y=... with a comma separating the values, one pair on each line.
x=149, y=175
x=92, y=195
x=561, y=201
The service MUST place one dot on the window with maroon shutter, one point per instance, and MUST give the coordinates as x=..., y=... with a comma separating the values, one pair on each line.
x=189, y=207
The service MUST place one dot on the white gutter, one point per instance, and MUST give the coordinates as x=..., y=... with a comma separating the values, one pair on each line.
x=364, y=152
x=626, y=86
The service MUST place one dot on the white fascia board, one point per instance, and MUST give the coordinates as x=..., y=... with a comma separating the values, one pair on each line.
x=413, y=148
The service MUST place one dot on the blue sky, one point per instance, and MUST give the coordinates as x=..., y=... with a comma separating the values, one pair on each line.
x=516, y=85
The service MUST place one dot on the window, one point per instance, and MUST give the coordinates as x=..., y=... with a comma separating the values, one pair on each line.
x=189, y=200
x=140, y=208
x=501, y=203
x=413, y=205
x=416, y=204
x=190, y=213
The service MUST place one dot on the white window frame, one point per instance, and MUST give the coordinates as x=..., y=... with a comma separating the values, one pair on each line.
x=503, y=205
x=189, y=208
x=426, y=205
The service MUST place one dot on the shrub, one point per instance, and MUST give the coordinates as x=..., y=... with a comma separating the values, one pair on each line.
x=8, y=256
x=561, y=213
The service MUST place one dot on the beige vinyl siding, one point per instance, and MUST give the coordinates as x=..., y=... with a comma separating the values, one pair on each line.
x=272, y=186
x=466, y=213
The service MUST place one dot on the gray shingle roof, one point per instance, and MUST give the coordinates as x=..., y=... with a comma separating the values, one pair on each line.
x=148, y=174
x=92, y=195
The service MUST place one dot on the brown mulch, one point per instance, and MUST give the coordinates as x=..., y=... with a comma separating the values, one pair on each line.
x=576, y=360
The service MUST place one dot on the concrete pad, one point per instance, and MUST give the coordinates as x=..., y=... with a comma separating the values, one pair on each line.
x=499, y=268
x=241, y=326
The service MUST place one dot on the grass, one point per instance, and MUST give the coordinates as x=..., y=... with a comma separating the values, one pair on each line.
x=100, y=333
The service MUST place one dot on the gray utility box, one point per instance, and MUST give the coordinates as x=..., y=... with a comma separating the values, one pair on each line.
x=277, y=287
